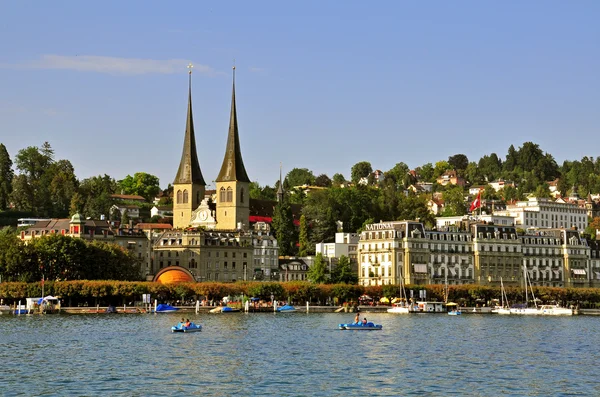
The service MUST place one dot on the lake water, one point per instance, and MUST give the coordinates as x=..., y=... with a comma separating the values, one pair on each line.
x=299, y=354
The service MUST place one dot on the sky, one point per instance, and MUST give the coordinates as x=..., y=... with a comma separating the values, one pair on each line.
x=321, y=85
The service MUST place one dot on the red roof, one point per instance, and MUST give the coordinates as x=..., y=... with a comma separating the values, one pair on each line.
x=147, y=226
x=267, y=219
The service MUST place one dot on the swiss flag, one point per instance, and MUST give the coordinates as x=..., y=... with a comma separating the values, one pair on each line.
x=476, y=203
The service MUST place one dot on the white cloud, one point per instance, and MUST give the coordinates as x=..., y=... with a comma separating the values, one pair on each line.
x=111, y=65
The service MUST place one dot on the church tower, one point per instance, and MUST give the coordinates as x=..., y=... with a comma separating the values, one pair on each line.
x=232, y=184
x=189, y=185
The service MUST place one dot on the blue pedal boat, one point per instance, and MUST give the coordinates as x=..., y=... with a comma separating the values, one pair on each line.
x=182, y=328
x=361, y=327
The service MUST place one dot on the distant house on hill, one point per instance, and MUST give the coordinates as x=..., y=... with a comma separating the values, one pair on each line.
x=451, y=177
x=163, y=211
x=127, y=197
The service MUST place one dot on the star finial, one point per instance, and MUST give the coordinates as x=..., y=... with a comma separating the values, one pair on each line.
x=190, y=67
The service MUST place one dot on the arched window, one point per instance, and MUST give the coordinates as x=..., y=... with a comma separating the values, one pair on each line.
x=229, y=195
x=222, y=195
x=185, y=196
x=179, y=197
x=242, y=195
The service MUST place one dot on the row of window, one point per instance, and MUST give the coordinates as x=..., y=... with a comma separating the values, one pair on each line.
x=226, y=195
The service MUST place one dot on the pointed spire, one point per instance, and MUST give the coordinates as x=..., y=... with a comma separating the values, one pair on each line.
x=189, y=168
x=280, y=189
x=233, y=166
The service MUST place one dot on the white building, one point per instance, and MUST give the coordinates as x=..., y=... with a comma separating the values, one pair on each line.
x=345, y=244
x=545, y=213
x=450, y=222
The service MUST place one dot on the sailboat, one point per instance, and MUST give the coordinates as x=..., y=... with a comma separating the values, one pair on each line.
x=504, y=308
x=525, y=309
x=402, y=306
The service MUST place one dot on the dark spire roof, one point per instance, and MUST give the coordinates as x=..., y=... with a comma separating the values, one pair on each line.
x=189, y=168
x=233, y=166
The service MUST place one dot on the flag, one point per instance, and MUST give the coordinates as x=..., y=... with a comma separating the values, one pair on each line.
x=476, y=203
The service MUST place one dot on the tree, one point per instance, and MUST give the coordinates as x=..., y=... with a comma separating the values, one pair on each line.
x=342, y=272
x=283, y=224
x=6, y=177
x=323, y=181
x=338, y=179
x=319, y=210
x=490, y=167
x=299, y=177
x=317, y=273
x=63, y=185
x=542, y=191
x=454, y=202
x=30, y=188
x=141, y=184
x=458, y=162
x=398, y=174
x=303, y=240
x=426, y=172
x=360, y=170
x=96, y=192
x=76, y=204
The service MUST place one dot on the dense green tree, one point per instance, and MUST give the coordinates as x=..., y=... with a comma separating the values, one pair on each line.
x=338, y=179
x=141, y=184
x=542, y=191
x=262, y=193
x=454, y=200
x=490, y=167
x=30, y=188
x=400, y=175
x=6, y=177
x=317, y=273
x=13, y=257
x=319, y=209
x=511, y=160
x=299, y=177
x=323, y=181
x=63, y=185
x=342, y=272
x=360, y=170
x=510, y=193
x=414, y=207
x=283, y=225
x=458, y=162
x=426, y=173
x=96, y=192
x=303, y=241
x=77, y=204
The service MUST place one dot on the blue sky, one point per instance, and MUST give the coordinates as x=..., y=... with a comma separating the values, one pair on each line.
x=320, y=84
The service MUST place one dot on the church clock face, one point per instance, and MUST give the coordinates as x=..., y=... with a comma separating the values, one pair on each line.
x=203, y=215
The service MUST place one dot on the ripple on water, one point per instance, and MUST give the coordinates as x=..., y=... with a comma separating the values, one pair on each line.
x=298, y=354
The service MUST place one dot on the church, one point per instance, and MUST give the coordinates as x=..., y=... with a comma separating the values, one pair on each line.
x=213, y=241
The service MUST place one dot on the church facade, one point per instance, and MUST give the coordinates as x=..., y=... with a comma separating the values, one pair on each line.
x=212, y=240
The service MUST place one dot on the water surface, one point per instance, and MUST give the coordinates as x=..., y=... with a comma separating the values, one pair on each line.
x=298, y=354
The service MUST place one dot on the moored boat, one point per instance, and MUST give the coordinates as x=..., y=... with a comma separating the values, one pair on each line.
x=164, y=308
x=286, y=309
x=361, y=327
x=555, y=310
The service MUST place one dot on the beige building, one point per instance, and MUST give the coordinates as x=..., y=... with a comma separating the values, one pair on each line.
x=485, y=254
x=134, y=241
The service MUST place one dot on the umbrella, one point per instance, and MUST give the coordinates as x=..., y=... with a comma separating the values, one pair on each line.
x=451, y=304
x=384, y=300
